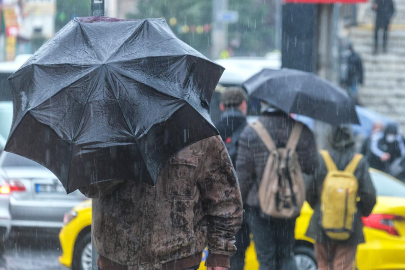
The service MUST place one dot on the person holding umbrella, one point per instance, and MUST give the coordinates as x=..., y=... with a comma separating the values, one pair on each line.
x=120, y=110
x=283, y=92
x=273, y=237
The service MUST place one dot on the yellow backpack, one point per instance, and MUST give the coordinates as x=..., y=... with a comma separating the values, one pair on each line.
x=339, y=198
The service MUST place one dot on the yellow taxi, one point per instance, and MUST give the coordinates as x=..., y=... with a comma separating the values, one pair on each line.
x=384, y=230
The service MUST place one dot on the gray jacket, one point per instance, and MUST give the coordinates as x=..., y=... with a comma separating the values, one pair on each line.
x=253, y=154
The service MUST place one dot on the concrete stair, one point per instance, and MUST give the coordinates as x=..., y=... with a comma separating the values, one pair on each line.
x=384, y=86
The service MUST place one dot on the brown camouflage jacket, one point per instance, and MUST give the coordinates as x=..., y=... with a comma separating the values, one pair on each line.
x=196, y=203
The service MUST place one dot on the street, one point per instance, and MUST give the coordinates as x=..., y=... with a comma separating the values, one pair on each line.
x=32, y=253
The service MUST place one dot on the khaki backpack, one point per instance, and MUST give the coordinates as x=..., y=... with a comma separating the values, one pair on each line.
x=282, y=190
x=338, y=199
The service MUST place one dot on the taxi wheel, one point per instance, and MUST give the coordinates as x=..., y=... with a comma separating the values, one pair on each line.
x=305, y=258
x=82, y=253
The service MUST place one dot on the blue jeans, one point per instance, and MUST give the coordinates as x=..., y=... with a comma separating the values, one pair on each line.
x=274, y=240
x=353, y=89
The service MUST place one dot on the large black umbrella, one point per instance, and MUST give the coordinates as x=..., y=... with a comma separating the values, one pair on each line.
x=111, y=99
x=304, y=93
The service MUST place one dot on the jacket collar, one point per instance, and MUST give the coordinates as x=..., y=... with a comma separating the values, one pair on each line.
x=232, y=113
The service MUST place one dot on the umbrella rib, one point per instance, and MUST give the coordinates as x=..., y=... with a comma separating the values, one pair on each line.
x=126, y=121
x=147, y=85
x=160, y=56
x=119, y=105
x=87, y=40
x=143, y=48
x=64, y=87
x=123, y=43
x=84, y=107
x=36, y=106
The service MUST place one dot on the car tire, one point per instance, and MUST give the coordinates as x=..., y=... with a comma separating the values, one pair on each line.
x=305, y=258
x=82, y=253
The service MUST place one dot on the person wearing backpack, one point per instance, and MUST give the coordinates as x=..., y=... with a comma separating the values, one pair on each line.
x=272, y=155
x=233, y=120
x=340, y=192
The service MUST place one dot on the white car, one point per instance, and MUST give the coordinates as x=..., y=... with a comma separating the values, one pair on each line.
x=31, y=197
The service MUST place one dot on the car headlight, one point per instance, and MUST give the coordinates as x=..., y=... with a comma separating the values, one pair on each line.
x=69, y=216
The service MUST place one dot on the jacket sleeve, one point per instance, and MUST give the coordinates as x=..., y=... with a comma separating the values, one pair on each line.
x=245, y=163
x=307, y=152
x=312, y=183
x=366, y=190
x=361, y=72
x=392, y=8
x=311, y=189
x=221, y=201
x=374, y=144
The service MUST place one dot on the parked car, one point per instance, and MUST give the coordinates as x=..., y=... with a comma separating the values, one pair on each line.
x=6, y=69
x=6, y=117
x=31, y=197
x=384, y=232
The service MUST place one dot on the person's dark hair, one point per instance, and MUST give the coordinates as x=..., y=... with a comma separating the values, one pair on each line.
x=232, y=97
x=391, y=129
x=341, y=138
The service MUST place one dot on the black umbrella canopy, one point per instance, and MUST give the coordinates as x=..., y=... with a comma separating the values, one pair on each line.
x=304, y=93
x=110, y=99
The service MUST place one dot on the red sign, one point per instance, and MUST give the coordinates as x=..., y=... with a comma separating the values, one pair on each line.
x=325, y=1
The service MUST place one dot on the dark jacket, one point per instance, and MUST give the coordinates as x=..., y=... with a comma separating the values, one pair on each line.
x=342, y=153
x=253, y=154
x=384, y=12
x=379, y=145
x=196, y=203
x=355, y=69
x=230, y=127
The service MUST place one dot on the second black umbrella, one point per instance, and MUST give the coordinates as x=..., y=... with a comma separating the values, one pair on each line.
x=294, y=91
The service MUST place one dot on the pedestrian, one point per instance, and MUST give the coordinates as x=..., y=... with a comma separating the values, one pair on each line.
x=196, y=203
x=330, y=252
x=273, y=237
x=355, y=74
x=384, y=10
x=233, y=120
x=365, y=149
x=387, y=146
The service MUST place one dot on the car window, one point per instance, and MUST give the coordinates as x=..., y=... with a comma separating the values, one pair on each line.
x=387, y=186
x=12, y=160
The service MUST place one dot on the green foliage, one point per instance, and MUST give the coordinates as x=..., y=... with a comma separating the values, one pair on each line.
x=253, y=34
x=68, y=9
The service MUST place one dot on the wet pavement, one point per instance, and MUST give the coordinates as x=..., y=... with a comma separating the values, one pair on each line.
x=32, y=253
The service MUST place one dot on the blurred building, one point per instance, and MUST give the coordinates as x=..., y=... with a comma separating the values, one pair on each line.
x=27, y=25
x=120, y=8
x=38, y=18
x=383, y=89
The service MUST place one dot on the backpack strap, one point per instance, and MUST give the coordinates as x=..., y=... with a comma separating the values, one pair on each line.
x=351, y=168
x=330, y=165
x=294, y=136
x=264, y=135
